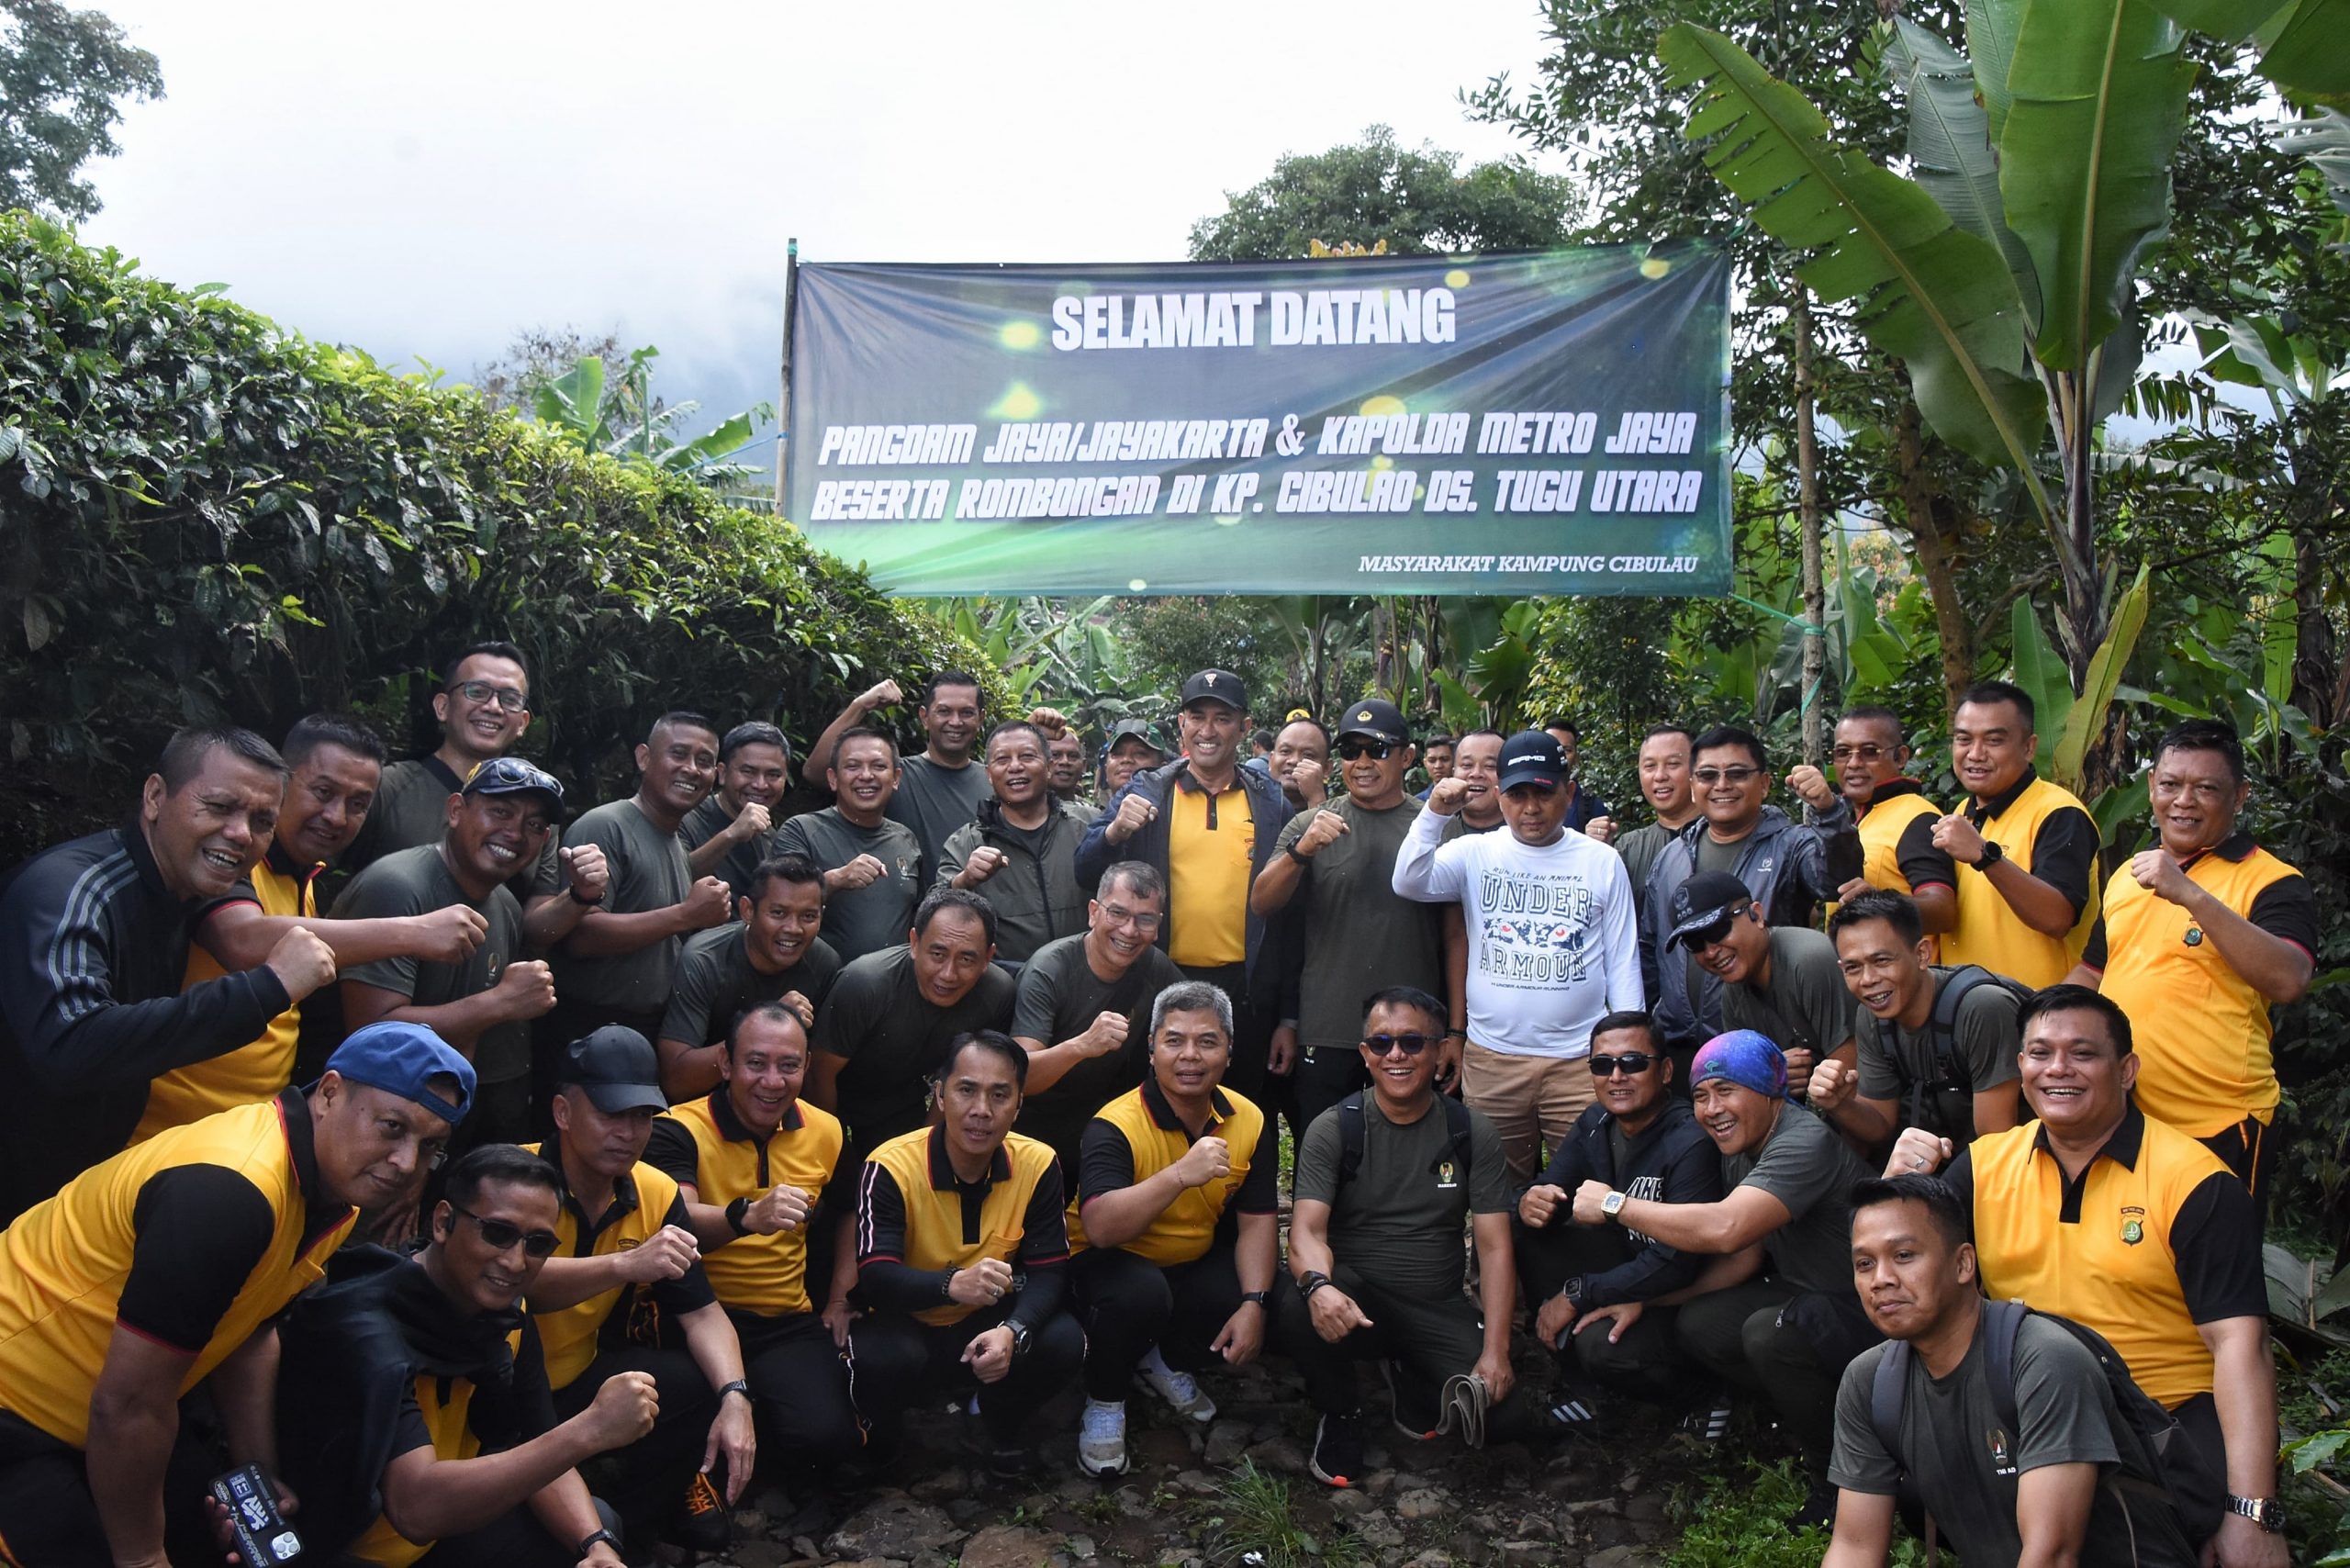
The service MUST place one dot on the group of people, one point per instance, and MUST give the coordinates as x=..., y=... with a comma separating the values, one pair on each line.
x=507, y=1183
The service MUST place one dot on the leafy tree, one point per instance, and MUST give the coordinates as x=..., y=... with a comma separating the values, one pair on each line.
x=1373, y=191
x=63, y=75
x=538, y=355
x=621, y=417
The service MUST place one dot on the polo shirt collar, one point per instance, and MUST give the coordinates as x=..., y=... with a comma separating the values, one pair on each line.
x=143, y=857
x=942, y=1170
x=285, y=866
x=1186, y=780
x=320, y=1214
x=2235, y=848
x=1981, y=811
x=1163, y=1115
x=2121, y=1148
x=624, y=1198
x=730, y=1127
x=1893, y=790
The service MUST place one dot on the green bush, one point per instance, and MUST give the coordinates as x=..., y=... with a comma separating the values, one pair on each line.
x=206, y=516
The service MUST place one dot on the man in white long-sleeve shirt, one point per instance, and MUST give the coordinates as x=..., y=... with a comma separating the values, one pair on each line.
x=1553, y=945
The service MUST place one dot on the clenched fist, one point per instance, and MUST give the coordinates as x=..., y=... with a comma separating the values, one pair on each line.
x=861, y=872
x=526, y=989
x=984, y=862
x=710, y=903
x=1208, y=1159
x=1449, y=796
x=622, y=1410
x=448, y=936
x=1326, y=828
x=1811, y=787
x=585, y=868
x=302, y=961
x=1135, y=813
x=666, y=1254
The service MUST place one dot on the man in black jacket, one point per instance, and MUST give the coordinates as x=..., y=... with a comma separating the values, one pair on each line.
x=1209, y=826
x=1642, y=1141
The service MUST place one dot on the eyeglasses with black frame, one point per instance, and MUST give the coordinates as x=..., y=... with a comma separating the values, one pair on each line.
x=1355, y=751
x=503, y=1234
x=1387, y=1045
x=1629, y=1061
x=511, y=698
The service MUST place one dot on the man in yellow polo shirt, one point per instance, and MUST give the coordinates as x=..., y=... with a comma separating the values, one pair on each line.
x=2099, y=1213
x=1174, y=1226
x=162, y=1268
x=336, y=763
x=1209, y=827
x=962, y=1256
x=627, y=1246
x=2199, y=936
x=1898, y=849
x=2025, y=849
x=749, y=1160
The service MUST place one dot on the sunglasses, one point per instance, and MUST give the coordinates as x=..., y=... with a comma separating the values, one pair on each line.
x=1355, y=751
x=1706, y=937
x=1386, y=1045
x=508, y=699
x=503, y=1234
x=1724, y=775
x=1631, y=1062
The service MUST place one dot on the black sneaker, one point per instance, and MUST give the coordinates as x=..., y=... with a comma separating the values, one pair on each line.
x=1709, y=1422
x=1416, y=1409
x=1338, y=1450
x=704, y=1524
x=1571, y=1407
x=1011, y=1463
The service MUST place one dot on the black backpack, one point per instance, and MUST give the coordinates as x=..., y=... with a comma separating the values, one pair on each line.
x=2166, y=1481
x=1946, y=1103
x=1351, y=1135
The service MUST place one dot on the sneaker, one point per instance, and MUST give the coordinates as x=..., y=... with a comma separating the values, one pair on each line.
x=1180, y=1390
x=1417, y=1410
x=1571, y=1406
x=1709, y=1422
x=1012, y=1463
x=1466, y=1398
x=1338, y=1450
x=1101, y=1439
x=703, y=1523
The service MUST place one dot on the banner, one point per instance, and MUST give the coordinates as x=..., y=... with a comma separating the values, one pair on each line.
x=1530, y=422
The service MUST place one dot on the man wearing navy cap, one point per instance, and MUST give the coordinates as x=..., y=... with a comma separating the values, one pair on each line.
x=163, y=1268
x=1208, y=825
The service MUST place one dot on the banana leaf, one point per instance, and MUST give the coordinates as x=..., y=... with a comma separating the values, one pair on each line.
x=2085, y=721
x=1950, y=139
x=2041, y=671
x=2324, y=139
x=1991, y=27
x=2306, y=56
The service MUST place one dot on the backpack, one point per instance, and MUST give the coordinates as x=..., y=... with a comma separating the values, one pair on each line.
x=2164, y=1477
x=1946, y=1104
x=1351, y=1135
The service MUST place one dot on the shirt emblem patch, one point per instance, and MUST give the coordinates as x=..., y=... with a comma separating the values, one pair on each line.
x=1447, y=1177
x=2133, y=1228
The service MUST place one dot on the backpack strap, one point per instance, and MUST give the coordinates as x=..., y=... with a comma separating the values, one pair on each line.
x=1456, y=1117
x=1351, y=1137
x=2005, y=1318
x=1888, y=1392
x=1943, y=1030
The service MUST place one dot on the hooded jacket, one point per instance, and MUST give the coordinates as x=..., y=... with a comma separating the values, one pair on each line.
x=1035, y=896
x=1671, y=1160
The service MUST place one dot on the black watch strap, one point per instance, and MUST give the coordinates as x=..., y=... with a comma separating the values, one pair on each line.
x=739, y=1385
x=735, y=1213
x=602, y=1537
x=1311, y=1280
x=1992, y=855
x=1291, y=850
x=595, y=903
x=1262, y=1298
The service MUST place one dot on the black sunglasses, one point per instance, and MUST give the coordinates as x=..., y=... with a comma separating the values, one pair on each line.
x=1354, y=751
x=503, y=1234
x=1708, y=936
x=1631, y=1062
x=1410, y=1045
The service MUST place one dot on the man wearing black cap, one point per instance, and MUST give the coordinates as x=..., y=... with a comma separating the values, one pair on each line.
x=1335, y=870
x=728, y=835
x=482, y=1004
x=1208, y=826
x=162, y=1267
x=1783, y=983
x=625, y=1243
x=1553, y=945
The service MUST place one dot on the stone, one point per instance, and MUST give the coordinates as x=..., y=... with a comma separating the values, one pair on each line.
x=873, y=1562
x=1423, y=1503
x=760, y=1555
x=1430, y=1559
x=1623, y=1557
x=1227, y=1441
x=1646, y=1508
x=1278, y=1453
x=750, y=1523
x=1522, y=1554
x=1353, y=1501
x=1379, y=1483
x=1376, y=1530
x=893, y=1527
x=1081, y=1547
x=951, y=1481
x=1007, y=1546
x=1198, y=1482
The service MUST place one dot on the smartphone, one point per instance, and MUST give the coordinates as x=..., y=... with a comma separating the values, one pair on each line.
x=264, y=1538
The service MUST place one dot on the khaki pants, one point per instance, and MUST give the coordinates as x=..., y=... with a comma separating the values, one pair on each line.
x=1531, y=1100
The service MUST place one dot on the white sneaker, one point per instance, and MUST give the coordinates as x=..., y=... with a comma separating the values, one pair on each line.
x=1101, y=1439
x=1180, y=1390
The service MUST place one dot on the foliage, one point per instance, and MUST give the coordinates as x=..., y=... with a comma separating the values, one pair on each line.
x=621, y=416
x=63, y=75
x=1064, y=656
x=1738, y=1519
x=209, y=518
x=1374, y=193
x=1250, y=1520
x=536, y=357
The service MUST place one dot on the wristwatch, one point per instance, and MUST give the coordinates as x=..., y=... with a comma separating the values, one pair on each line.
x=1311, y=1280
x=1262, y=1298
x=602, y=1537
x=1018, y=1337
x=739, y=1385
x=1992, y=855
x=2266, y=1512
x=1612, y=1205
x=735, y=1213
x=1572, y=1292
x=1291, y=850
x=595, y=903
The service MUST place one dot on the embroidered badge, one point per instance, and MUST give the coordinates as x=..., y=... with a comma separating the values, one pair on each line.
x=2133, y=1229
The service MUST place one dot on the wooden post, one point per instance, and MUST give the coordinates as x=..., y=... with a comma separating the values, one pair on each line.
x=783, y=401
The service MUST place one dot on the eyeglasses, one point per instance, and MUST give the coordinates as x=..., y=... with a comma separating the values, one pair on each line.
x=1631, y=1062
x=1145, y=923
x=1712, y=935
x=1354, y=751
x=508, y=699
x=1710, y=775
x=503, y=1234
x=1856, y=753
x=1387, y=1045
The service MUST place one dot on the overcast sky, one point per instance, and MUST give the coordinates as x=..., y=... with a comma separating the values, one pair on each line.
x=425, y=179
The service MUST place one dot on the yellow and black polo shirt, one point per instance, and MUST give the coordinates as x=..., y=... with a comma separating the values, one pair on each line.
x=254, y=1071
x=2154, y=1238
x=1211, y=859
x=1138, y=1135
x=193, y=1240
x=2201, y=1030
x=704, y=1145
x=1897, y=848
x=437, y=1415
x=2047, y=832
x=911, y=1210
x=643, y=1201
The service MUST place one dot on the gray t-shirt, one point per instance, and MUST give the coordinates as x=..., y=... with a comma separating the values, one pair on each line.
x=648, y=872
x=1058, y=999
x=1965, y=1463
x=411, y=807
x=1360, y=934
x=934, y=801
x=1806, y=1003
x=716, y=980
x=417, y=881
x=1399, y=1220
x=1640, y=847
x=709, y=820
x=1810, y=1168
x=1985, y=1040
x=867, y=919
x=894, y=1037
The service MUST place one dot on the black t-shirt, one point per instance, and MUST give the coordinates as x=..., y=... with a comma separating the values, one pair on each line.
x=417, y=881
x=716, y=980
x=893, y=1038
x=709, y=820
x=864, y=919
x=1058, y=999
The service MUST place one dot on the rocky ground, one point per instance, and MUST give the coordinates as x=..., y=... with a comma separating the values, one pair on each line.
x=1210, y=1496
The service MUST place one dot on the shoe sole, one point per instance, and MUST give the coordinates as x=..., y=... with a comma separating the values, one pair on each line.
x=1339, y=1481
x=1395, y=1409
x=1088, y=1467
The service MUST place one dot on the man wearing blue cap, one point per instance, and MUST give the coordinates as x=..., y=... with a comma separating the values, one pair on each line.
x=1775, y=1313
x=162, y=1267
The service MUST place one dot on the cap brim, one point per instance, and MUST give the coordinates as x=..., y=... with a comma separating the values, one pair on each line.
x=1518, y=776
x=613, y=1099
x=1216, y=697
x=1367, y=735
